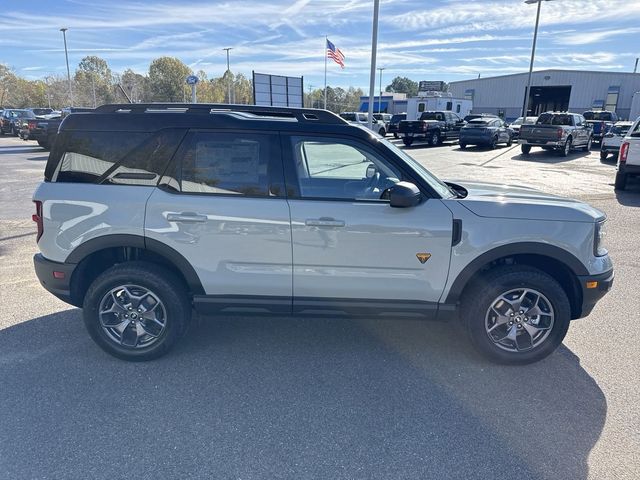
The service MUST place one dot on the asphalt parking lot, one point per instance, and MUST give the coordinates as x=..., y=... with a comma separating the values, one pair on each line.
x=251, y=398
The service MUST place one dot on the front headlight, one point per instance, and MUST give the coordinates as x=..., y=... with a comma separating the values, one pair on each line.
x=599, y=249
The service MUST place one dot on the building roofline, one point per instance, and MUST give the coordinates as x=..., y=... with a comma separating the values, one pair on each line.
x=545, y=70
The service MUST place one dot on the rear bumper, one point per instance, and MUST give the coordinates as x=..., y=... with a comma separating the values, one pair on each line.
x=542, y=143
x=629, y=169
x=60, y=287
x=591, y=296
x=475, y=140
x=610, y=148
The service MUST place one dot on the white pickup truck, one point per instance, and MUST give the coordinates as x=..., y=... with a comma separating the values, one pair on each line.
x=362, y=119
x=629, y=157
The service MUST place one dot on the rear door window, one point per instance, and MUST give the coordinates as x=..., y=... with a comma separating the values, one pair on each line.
x=222, y=163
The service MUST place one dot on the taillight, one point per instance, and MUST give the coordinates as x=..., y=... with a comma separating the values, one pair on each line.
x=560, y=132
x=31, y=124
x=38, y=219
x=624, y=151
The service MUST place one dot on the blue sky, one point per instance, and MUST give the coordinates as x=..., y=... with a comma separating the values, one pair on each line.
x=422, y=39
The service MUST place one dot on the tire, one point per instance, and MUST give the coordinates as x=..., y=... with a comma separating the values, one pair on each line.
x=395, y=135
x=494, y=143
x=526, y=149
x=566, y=150
x=14, y=132
x=603, y=155
x=434, y=139
x=587, y=147
x=528, y=283
x=621, y=181
x=510, y=141
x=44, y=144
x=172, y=310
x=382, y=132
x=463, y=146
x=407, y=141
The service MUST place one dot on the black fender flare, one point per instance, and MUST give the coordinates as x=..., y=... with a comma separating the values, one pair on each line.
x=138, y=241
x=566, y=258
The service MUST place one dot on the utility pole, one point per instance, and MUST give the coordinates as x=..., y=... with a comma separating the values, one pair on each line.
x=229, y=76
x=525, y=106
x=374, y=52
x=66, y=55
x=380, y=98
x=93, y=86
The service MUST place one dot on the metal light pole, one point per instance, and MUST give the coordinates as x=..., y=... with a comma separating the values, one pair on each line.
x=374, y=50
x=66, y=55
x=525, y=105
x=228, y=79
x=380, y=98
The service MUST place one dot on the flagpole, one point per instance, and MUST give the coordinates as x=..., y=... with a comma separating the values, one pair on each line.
x=326, y=39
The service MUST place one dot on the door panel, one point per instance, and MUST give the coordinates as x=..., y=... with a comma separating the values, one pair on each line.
x=348, y=242
x=222, y=206
x=373, y=256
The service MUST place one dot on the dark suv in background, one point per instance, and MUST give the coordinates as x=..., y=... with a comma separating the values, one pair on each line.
x=394, y=124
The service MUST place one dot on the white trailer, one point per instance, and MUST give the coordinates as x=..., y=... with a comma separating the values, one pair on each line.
x=437, y=101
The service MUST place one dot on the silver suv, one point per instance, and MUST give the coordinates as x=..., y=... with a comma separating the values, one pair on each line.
x=150, y=211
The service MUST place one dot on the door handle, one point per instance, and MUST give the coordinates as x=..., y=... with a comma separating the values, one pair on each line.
x=324, y=222
x=186, y=217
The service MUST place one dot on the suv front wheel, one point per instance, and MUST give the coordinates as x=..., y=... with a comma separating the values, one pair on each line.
x=136, y=311
x=516, y=314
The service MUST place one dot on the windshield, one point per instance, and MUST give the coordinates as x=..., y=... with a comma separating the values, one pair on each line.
x=349, y=117
x=23, y=114
x=550, y=119
x=431, y=116
x=478, y=122
x=434, y=182
x=42, y=111
x=620, y=129
x=599, y=116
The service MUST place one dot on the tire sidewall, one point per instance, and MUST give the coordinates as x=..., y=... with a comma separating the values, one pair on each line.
x=165, y=289
x=527, y=278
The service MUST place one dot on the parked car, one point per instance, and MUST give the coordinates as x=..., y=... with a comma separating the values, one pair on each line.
x=11, y=120
x=434, y=127
x=383, y=118
x=613, y=139
x=361, y=119
x=149, y=211
x=600, y=122
x=394, y=123
x=518, y=122
x=629, y=157
x=485, y=131
x=560, y=131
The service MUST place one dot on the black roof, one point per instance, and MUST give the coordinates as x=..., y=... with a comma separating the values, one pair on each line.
x=151, y=117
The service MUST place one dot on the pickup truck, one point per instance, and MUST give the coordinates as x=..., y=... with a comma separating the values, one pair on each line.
x=44, y=130
x=629, y=157
x=434, y=127
x=560, y=131
x=601, y=122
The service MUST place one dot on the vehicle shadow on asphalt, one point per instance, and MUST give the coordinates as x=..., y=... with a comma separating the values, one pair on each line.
x=40, y=158
x=630, y=197
x=290, y=398
x=12, y=149
x=549, y=157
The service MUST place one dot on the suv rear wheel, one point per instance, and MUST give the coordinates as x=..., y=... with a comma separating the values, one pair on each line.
x=516, y=315
x=525, y=149
x=136, y=311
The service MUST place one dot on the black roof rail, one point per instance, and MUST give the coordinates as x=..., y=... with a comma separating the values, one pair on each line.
x=300, y=114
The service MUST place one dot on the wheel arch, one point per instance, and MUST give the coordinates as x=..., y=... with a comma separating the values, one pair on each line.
x=555, y=261
x=96, y=255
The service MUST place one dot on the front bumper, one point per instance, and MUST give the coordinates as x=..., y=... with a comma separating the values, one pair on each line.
x=594, y=287
x=60, y=287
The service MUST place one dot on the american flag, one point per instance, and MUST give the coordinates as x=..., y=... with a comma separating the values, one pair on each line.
x=335, y=54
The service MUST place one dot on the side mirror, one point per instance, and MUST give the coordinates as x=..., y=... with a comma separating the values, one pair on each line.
x=404, y=194
x=371, y=170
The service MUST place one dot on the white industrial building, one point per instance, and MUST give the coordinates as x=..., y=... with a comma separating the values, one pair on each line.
x=560, y=90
